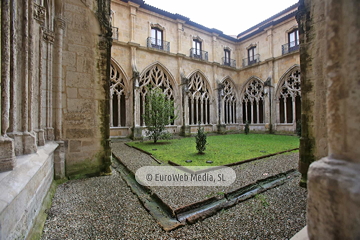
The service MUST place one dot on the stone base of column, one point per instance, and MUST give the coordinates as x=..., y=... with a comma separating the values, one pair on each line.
x=137, y=133
x=7, y=154
x=221, y=128
x=29, y=143
x=40, y=136
x=185, y=131
x=59, y=161
x=306, y=157
x=49, y=134
x=333, y=205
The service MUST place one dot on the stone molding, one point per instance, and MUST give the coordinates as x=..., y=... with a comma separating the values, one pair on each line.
x=39, y=13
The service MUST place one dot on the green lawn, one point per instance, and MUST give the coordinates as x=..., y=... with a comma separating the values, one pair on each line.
x=221, y=149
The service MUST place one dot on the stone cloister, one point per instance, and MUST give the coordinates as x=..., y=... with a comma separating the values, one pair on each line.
x=197, y=102
x=74, y=73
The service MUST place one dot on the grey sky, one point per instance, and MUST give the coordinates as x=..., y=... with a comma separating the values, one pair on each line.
x=229, y=16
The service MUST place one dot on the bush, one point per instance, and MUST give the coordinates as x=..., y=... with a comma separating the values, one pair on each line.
x=159, y=112
x=200, y=140
x=247, y=128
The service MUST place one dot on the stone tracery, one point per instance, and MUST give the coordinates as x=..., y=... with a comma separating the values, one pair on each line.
x=253, y=102
x=199, y=100
x=289, y=98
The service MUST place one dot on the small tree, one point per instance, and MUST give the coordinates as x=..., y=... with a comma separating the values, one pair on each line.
x=159, y=112
x=247, y=128
x=200, y=140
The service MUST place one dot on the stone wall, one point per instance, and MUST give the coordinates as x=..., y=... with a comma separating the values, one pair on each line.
x=55, y=64
x=331, y=116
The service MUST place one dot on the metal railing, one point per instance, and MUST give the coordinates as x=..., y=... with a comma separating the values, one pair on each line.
x=198, y=54
x=251, y=60
x=158, y=44
x=115, y=33
x=290, y=47
x=229, y=62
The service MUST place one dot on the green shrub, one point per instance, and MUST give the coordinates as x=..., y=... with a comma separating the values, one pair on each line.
x=201, y=140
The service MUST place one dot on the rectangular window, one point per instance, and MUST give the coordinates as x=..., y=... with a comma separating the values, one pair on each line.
x=197, y=48
x=294, y=38
x=251, y=56
x=227, y=57
x=156, y=38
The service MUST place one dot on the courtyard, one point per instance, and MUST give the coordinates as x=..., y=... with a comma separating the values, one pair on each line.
x=112, y=207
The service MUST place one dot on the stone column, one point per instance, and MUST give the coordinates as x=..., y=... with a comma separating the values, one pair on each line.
x=185, y=129
x=7, y=152
x=58, y=79
x=333, y=210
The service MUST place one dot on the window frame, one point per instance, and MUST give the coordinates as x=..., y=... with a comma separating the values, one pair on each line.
x=295, y=43
x=251, y=55
x=157, y=42
x=227, y=57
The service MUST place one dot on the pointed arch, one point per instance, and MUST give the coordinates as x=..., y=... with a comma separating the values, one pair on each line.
x=155, y=75
x=199, y=98
x=118, y=95
x=288, y=96
x=228, y=101
x=253, y=102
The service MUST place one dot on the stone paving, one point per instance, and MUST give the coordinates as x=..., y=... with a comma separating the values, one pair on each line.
x=105, y=207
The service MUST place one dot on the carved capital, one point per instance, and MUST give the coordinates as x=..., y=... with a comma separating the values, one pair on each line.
x=60, y=23
x=39, y=13
x=49, y=36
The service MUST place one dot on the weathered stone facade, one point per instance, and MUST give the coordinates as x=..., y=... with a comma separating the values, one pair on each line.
x=330, y=60
x=215, y=79
x=55, y=64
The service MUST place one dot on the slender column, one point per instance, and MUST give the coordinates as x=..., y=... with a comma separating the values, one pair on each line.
x=257, y=112
x=13, y=70
x=25, y=87
x=111, y=111
x=7, y=154
x=277, y=111
x=136, y=106
x=252, y=112
x=202, y=112
x=5, y=66
x=118, y=109
x=223, y=119
x=196, y=108
x=293, y=110
x=206, y=112
x=186, y=110
x=285, y=110
x=58, y=52
x=246, y=112
x=41, y=136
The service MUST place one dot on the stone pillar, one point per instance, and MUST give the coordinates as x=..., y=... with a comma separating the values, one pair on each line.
x=58, y=79
x=185, y=129
x=221, y=128
x=333, y=210
x=7, y=152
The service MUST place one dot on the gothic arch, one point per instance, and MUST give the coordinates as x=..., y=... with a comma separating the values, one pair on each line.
x=119, y=93
x=155, y=75
x=252, y=101
x=228, y=98
x=288, y=96
x=199, y=98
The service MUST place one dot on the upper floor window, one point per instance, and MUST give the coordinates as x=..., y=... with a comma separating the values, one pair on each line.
x=156, y=38
x=227, y=57
x=197, y=48
x=293, y=38
x=251, y=56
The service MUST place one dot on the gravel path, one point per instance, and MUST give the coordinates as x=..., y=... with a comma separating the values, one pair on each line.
x=176, y=197
x=105, y=208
